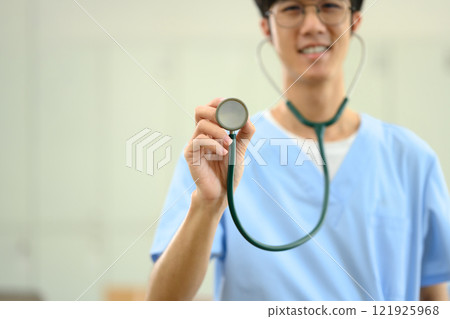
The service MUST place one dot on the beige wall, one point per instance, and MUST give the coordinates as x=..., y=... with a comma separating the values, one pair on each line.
x=70, y=98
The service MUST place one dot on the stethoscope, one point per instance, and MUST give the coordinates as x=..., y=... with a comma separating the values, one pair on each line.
x=232, y=114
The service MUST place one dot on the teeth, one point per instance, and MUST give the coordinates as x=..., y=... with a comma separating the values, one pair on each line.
x=317, y=49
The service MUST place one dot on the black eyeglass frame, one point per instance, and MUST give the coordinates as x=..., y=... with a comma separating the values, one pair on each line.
x=269, y=12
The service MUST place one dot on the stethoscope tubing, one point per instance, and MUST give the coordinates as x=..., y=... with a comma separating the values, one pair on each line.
x=319, y=129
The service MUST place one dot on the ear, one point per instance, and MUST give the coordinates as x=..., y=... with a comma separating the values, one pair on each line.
x=356, y=20
x=265, y=28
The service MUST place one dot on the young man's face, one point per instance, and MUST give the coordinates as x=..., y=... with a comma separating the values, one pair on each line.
x=299, y=46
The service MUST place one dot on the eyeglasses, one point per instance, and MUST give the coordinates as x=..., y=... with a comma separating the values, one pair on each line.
x=291, y=13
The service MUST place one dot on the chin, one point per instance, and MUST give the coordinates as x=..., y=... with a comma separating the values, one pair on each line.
x=311, y=76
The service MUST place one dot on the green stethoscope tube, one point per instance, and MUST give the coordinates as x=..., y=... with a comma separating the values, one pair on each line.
x=319, y=129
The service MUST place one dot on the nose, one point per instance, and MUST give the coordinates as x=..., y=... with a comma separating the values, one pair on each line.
x=311, y=23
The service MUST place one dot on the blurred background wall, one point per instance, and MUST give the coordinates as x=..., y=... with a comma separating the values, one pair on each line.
x=70, y=99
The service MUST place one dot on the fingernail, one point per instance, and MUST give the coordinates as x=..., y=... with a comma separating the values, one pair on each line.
x=228, y=140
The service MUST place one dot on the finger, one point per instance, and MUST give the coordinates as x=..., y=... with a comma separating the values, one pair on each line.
x=205, y=113
x=244, y=136
x=209, y=145
x=202, y=145
x=212, y=130
x=246, y=132
x=208, y=111
x=215, y=103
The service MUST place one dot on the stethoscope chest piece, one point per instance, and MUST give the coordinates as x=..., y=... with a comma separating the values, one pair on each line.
x=231, y=114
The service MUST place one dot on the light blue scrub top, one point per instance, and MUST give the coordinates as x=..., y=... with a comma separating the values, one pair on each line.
x=386, y=234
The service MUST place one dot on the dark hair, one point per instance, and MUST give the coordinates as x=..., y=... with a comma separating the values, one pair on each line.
x=264, y=5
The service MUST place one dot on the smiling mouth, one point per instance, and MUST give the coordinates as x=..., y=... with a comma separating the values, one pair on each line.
x=314, y=50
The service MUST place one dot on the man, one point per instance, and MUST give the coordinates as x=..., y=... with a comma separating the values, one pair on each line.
x=386, y=235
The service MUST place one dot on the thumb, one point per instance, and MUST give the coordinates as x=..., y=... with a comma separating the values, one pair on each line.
x=244, y=136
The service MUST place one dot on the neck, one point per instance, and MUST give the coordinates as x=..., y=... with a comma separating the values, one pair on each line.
x=317, y=102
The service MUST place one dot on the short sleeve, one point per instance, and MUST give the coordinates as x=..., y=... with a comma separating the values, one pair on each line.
x=436, y=253
x=175, y=209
